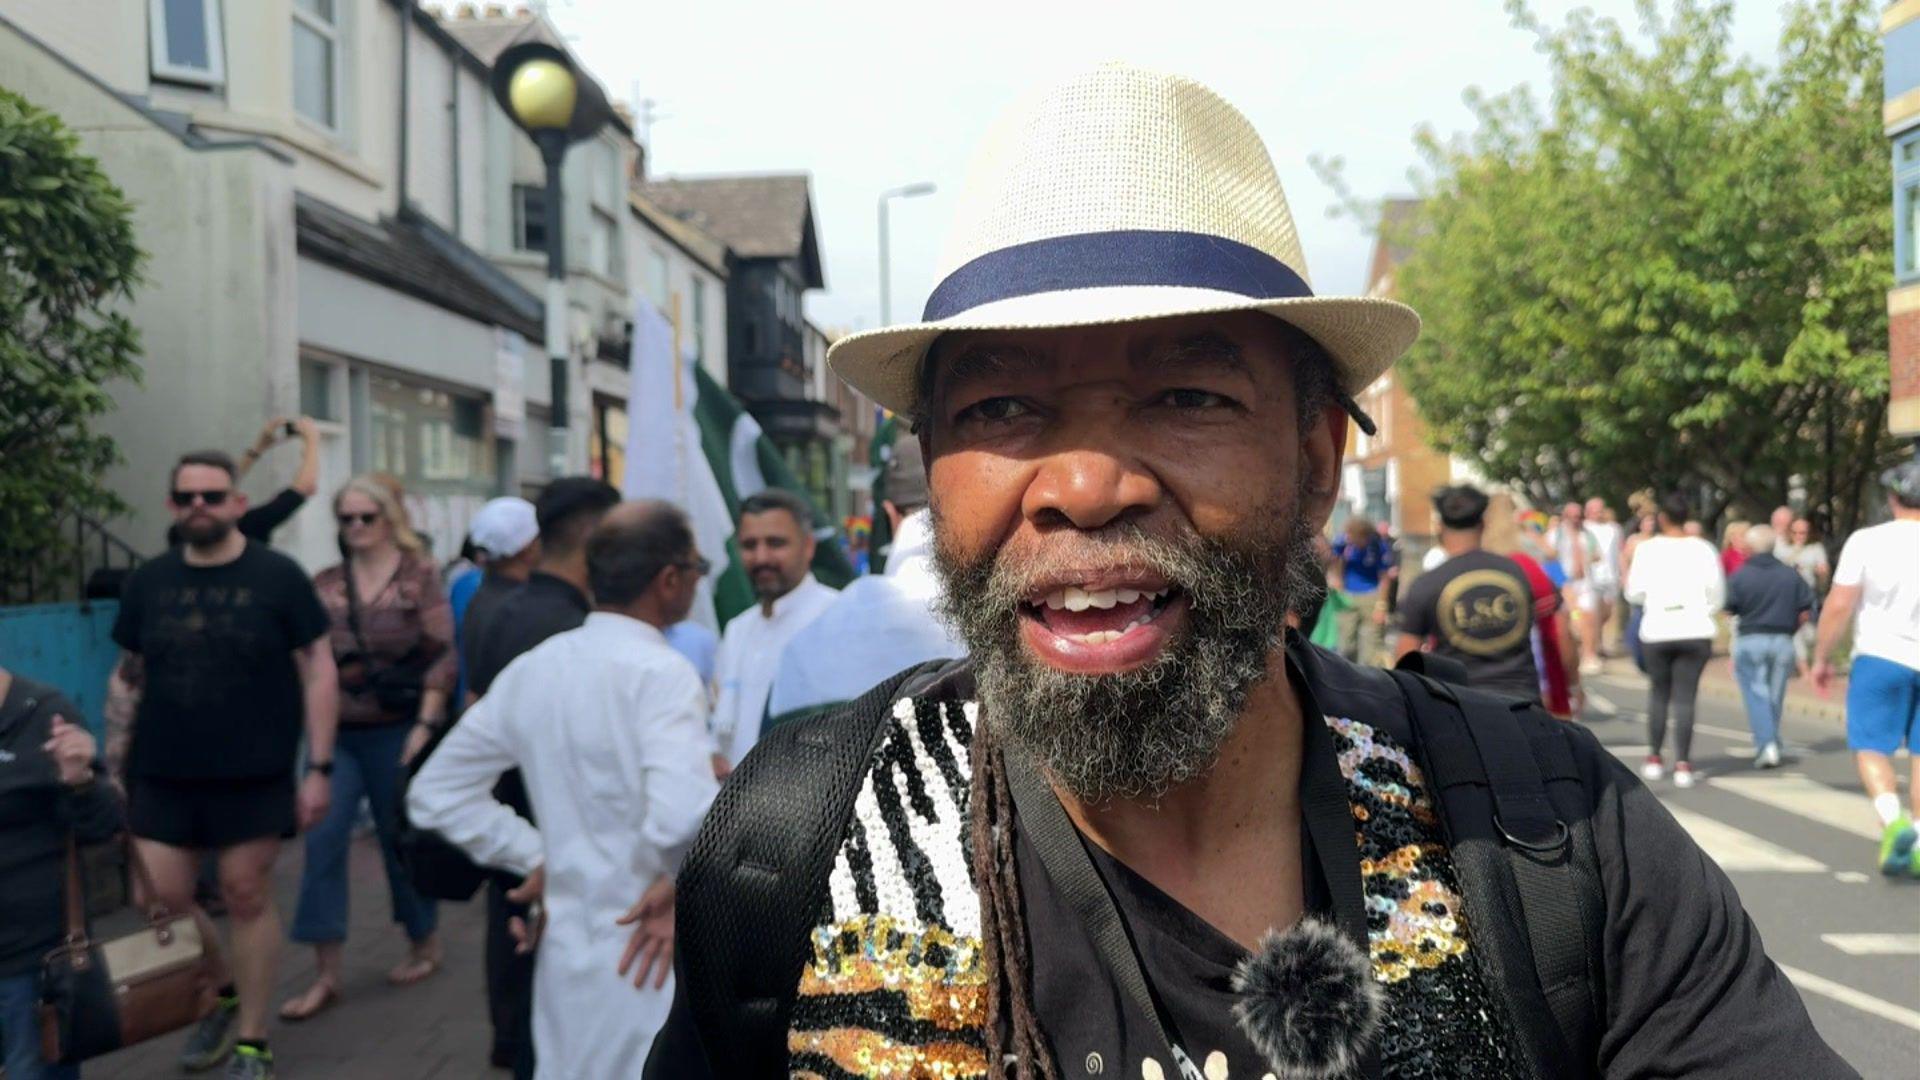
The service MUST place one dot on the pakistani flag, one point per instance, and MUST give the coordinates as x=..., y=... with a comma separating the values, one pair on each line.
x=691, y=443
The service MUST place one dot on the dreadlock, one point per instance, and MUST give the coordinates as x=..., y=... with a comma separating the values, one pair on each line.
x=1003, y=926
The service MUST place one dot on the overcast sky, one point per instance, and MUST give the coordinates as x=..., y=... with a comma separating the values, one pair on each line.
x=868, y=95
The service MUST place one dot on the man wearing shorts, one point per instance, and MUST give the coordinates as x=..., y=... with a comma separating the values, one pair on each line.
x=1878, y=579
x=225, y=649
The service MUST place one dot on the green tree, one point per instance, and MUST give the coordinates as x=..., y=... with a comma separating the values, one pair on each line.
x=67, y=259
x=1674, y=274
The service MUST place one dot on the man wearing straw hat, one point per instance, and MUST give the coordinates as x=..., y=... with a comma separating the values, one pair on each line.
x=1145, y=831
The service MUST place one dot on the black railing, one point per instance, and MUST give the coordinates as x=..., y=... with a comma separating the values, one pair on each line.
x=92, y=567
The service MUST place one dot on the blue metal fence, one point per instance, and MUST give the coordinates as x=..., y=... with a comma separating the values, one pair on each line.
x=67, y=645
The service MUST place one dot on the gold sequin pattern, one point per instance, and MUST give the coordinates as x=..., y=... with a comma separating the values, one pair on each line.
x=875, y=974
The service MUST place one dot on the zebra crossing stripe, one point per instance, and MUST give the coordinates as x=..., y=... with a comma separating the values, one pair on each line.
x=1738, y=851
x=1847, y=811
x=1875, y=944
x=1853, y=999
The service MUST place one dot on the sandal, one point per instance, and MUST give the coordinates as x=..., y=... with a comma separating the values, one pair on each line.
x=416, y=969
x=320, y=997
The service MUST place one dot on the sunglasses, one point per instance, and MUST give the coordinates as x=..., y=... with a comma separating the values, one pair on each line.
x=184, y=499
x=698, y=564
x=357, y=519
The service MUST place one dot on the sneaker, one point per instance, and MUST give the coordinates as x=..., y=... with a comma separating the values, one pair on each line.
x=1768, y=757
x=1897, y=846
x=213, y=1040
x=1682, y=774
x=249, y=1064
x=1653, y=769
x=1592, y=667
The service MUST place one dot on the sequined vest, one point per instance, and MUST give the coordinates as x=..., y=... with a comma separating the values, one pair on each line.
x=895, y=986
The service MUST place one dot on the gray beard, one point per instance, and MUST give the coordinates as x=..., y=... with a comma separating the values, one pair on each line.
x=1136, y=734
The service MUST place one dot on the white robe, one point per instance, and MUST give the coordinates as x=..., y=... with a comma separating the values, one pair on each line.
x=608, y=726
x=878, y=626
x=750, y=657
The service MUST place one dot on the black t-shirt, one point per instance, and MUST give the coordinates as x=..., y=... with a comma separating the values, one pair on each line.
x=1188, y=963
x=526, y=616
x=223, y=698
x=544, y=606
x=476, y=623
x=259, y=522
x=1477, y=609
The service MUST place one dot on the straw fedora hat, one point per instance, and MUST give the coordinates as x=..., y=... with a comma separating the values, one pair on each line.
x=1117, y=196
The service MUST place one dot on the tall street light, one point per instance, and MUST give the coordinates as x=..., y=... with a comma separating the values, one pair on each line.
x=549, y=99
x=906, y=191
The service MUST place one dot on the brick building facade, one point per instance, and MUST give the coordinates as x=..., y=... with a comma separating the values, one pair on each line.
x=1900, y=31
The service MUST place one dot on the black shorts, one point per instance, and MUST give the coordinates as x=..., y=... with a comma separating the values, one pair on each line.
x=208, y=815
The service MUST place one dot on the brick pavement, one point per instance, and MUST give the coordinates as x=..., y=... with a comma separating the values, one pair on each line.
x=436, y=1029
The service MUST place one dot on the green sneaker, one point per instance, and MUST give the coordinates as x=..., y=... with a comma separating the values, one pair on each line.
x=249, y=1064
x=1897, y=846
x=213, y=1040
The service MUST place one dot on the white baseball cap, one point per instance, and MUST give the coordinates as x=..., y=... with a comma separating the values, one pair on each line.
x=504, y=527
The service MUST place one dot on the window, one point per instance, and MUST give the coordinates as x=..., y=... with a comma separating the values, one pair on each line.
x=316, y=61
x=316, y=391
x=434, y=442
x=1906, y=208
x=699, y=320
x=600, y=242
x=529, y=217
x=185, y=41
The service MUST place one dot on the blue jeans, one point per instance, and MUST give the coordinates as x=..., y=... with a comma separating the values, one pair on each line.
x=1762, y=663
x=20, y=1032
x=366, y=764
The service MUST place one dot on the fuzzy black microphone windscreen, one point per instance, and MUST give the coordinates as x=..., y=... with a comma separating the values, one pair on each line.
x=1308, y=1001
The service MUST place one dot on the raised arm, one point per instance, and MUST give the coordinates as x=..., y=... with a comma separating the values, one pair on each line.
x=307, y=480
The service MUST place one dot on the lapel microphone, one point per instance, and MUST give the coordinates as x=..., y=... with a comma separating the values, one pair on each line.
x=1308, y=1001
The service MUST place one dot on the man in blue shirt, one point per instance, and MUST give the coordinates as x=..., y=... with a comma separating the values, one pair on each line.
x=1364, y=560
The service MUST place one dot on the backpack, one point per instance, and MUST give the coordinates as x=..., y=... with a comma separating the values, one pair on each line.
x=1522, y=848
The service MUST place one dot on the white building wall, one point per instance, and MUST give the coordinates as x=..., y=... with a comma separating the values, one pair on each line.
x=106, y=38
x=475, y=113
x=215, y=311
x=430, y=135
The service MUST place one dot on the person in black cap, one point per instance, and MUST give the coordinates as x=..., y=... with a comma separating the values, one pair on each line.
x=1476, y=607
x=553, y=600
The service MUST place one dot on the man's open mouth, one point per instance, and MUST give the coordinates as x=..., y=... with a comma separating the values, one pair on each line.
x=1101, y=626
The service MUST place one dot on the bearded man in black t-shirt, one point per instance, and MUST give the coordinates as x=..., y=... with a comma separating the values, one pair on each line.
x=1476, y=607
x=225, y=659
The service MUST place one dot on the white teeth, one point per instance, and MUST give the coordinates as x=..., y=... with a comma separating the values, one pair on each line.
x=1074, y=598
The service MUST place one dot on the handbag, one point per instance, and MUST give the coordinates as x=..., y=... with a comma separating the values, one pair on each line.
x=100, y=996
x=437, y=869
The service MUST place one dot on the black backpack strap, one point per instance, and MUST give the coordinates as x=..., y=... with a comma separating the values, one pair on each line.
x=1517, y=847
x=755, y=882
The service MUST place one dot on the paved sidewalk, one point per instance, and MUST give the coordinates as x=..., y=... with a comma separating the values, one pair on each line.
x=437, y=1028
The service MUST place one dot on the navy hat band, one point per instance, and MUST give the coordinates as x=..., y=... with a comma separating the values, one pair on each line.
x=1118, y=258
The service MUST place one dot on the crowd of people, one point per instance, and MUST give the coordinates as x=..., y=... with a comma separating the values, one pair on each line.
x=552, y=676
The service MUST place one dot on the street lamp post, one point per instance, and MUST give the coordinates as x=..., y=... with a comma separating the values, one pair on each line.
x=548, y=99
x=906, y=191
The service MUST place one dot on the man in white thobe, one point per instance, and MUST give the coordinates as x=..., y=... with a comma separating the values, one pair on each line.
x=775, y=538
x=607, y=724
x=879, y=625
